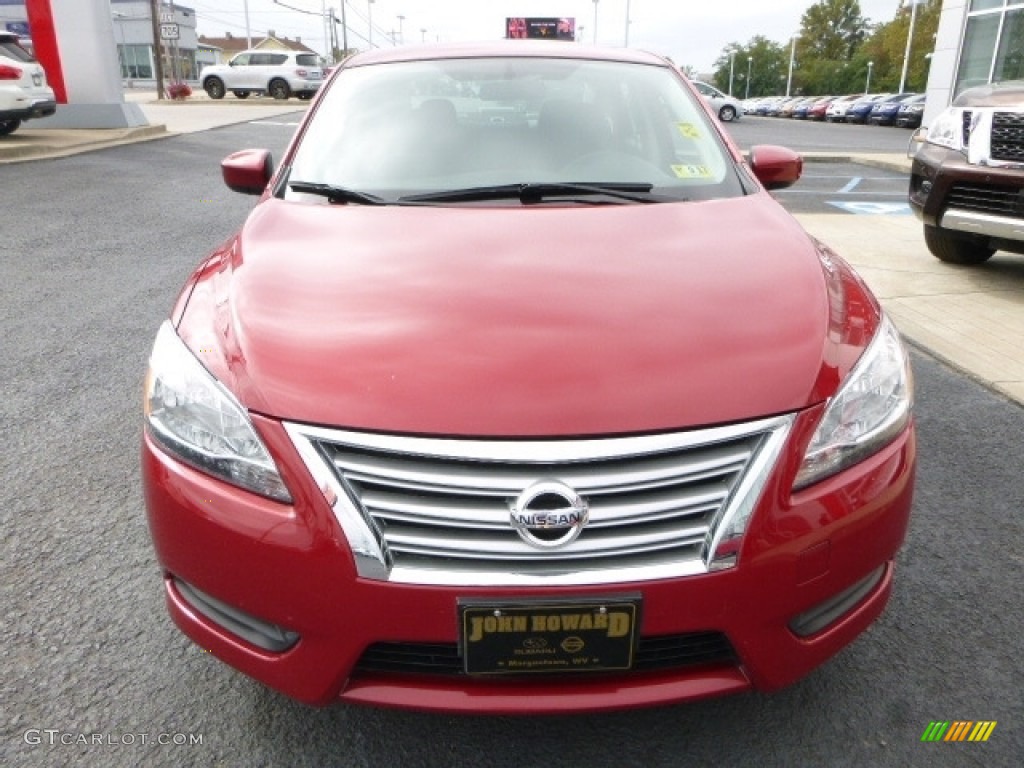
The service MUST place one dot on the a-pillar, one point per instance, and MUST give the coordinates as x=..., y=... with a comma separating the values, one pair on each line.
x=74, y=42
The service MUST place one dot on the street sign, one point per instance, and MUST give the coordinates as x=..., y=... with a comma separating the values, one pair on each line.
x=166, y=17
x=168, y=31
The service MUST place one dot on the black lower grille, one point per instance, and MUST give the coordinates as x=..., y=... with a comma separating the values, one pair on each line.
x=995, y=200
x=653, y=653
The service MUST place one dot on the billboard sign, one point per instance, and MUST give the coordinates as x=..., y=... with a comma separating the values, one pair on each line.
x=522, y=28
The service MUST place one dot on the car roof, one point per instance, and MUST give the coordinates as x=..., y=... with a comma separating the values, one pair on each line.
x=504, y=48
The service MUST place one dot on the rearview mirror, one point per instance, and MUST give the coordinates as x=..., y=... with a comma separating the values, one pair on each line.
x=248, y=171
x=775, y=167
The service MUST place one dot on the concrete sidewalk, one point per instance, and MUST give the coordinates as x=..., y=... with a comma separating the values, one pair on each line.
x=971, y=317
x=166, y=118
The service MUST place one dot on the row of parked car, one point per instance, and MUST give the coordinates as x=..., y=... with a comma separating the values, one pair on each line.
x=902, y=109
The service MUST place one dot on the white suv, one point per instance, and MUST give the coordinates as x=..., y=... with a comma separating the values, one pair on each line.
x=278, y=73
x=24, y=93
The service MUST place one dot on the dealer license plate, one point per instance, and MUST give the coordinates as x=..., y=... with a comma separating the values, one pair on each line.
x=544, y=636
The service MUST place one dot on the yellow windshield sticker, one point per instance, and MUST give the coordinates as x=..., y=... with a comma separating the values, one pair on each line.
x=688, y=130
x=692, y=171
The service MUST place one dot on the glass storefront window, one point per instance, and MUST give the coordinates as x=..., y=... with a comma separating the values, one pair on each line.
x=1010, y=57
x=984, y=5
x=976, y=56
x=135, y=62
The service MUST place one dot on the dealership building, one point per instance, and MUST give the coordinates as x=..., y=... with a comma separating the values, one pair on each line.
x=978, y=42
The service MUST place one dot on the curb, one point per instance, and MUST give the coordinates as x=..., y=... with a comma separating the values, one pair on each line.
x=890, y=162
x=52, y=143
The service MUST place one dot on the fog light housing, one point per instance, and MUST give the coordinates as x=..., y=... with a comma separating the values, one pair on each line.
x=262, y=634
x=823, y=614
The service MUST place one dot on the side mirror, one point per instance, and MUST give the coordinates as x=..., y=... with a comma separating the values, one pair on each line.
x=775, y=167
x=917, y=140
x=248, y=171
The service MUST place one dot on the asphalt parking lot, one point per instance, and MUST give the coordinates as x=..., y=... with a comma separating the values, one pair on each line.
x=96, y=247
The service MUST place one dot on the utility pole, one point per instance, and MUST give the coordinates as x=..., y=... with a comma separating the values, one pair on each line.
x=344, y=31
x=175, y=70
x=158, y=64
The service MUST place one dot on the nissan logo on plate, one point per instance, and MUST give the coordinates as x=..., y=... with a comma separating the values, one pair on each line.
x=549, y=514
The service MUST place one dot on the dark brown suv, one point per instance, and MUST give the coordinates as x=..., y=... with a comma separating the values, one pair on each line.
x=967, y=178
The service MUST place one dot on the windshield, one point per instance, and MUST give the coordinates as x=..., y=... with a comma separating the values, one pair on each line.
x=402, y=130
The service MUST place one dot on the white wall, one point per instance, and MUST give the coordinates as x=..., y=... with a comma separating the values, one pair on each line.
x=942, y=73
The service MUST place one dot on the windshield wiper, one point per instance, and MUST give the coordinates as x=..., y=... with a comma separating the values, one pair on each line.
x=535, y=192
x=336, y=194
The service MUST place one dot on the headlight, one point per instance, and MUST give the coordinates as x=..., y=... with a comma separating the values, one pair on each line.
x=194, y=418
x=947, y=130
x=870, y=409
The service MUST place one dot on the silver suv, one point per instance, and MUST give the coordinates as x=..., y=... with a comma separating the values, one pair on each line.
x=726, y=107
x=278, y=73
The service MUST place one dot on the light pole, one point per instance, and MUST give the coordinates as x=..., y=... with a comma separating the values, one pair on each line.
x=867, y=84
x=248, y=31
x=910, y=38
x=401, y=33
x=732, y=67
x=423, y=35
x=792, y=61
x=627, y=23
x=750, y=62
x=595, y=22
x=369, y=17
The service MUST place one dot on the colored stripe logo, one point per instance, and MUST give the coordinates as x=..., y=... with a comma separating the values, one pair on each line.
x=958, y=730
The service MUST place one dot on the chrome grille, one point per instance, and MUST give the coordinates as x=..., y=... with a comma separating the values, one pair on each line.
x=436, y=511
x=1008, y=137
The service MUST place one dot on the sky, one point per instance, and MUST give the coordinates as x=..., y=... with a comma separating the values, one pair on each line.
x=691, y=32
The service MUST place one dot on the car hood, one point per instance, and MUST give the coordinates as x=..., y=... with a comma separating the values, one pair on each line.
x=505, y=321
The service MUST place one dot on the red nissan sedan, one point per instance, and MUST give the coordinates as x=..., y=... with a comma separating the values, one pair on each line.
x=518, y=393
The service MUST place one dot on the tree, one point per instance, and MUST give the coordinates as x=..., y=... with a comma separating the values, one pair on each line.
x=833, y=50
x=831, y=32
x=887, y=45
x=765, y=60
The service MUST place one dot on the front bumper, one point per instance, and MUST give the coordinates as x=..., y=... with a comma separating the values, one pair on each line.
x=291, y=568
x=947, y=191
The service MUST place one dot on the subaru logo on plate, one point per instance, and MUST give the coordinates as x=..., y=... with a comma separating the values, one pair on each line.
x=549, y=514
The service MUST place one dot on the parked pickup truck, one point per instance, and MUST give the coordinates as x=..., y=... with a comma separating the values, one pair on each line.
x=967, y=178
